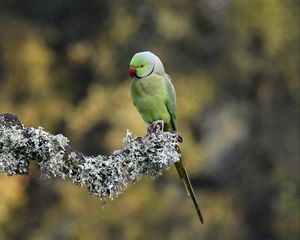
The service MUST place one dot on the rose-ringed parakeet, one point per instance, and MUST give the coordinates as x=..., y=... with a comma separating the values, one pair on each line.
x=153, y=95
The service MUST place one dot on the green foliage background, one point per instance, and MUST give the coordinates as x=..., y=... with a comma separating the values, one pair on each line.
x=235, y=64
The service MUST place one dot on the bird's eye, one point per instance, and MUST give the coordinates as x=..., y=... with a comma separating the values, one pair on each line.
x=142, y=65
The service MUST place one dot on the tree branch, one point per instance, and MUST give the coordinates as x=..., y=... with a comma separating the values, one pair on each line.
x=104, y=176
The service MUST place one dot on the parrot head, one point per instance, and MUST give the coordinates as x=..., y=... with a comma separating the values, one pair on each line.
x=144, y=64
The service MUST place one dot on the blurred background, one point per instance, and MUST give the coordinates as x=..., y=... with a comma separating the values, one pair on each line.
x=235, y=66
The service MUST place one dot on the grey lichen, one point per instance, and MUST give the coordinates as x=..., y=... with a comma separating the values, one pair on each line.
x=104, y=176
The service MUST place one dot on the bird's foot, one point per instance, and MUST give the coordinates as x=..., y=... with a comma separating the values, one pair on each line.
x=155, y=127
x=158, y=127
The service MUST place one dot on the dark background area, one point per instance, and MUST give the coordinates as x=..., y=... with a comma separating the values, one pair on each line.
x=235, y=66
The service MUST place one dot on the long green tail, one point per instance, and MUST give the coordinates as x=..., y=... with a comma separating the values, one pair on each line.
x=183, y=173
x=188, y=186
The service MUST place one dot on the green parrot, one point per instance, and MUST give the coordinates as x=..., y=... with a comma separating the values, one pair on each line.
x=153, y=95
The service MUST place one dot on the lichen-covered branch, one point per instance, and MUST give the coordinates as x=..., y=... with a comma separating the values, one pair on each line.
x=104, y=176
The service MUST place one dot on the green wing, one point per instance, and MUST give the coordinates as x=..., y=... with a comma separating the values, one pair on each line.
x=171, y=102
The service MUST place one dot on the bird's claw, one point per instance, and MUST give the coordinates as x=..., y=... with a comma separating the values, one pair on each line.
x=156, y=126
x=179, y=138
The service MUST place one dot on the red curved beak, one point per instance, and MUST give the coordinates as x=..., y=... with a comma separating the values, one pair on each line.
x=132, y=71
